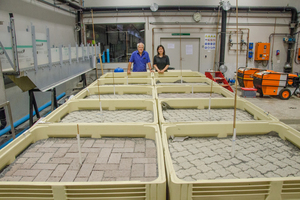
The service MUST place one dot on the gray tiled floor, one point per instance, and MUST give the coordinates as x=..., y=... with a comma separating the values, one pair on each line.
x=182, y=115
x=262, y=156
x=118, y=96
x=105, y=159
x=94, y=116
x=190, y=95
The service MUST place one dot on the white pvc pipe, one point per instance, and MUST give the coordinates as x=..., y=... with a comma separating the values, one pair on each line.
x=233, y=143
x=79, y=148
x=101, y=113
x=209, y=107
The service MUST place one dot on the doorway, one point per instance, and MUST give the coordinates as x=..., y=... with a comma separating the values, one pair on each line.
x=190, y=52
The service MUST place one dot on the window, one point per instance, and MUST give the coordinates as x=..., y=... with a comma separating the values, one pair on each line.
x=120, y=39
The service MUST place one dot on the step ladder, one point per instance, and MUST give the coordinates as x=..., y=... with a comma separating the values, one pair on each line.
x=218, y=77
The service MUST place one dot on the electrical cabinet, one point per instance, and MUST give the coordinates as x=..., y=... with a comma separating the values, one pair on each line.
x=262, y=51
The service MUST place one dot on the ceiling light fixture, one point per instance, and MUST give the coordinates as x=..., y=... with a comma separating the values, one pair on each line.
x=154, y=7
x=225, y=5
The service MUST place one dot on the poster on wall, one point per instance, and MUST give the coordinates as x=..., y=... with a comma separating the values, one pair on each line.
x=171, y=46
x=210, y=42
x=189, y=49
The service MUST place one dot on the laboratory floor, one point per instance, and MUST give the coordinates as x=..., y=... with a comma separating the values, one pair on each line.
x=287, y=111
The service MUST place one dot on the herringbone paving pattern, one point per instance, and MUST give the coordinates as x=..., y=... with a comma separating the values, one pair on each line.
x=106, y=116
x=118, y=96
x=105, y=159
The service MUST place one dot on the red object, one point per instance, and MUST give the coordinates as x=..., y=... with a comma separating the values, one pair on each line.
x=249, y=89
x=218, y=78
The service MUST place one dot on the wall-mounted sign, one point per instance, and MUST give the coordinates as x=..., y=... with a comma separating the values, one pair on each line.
x=210, y=42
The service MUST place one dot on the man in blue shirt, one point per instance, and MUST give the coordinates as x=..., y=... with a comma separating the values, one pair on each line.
x=140, y=59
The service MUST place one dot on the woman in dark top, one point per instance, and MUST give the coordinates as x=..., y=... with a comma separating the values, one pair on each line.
x=161, y=61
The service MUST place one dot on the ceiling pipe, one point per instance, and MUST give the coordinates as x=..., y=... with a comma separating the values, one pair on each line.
x=55, y=6
x=223, y=37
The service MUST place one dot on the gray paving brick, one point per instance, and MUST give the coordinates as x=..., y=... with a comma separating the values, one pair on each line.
x=53, y=179
x=21, y=160
x=138, y=170
x=126, y=164
x=115, y=158
x=139, y=148
x=61, y=152
x=186, y=165
x=11, y=178
x=105, y=152
x=109, y=179
x=129, y=144
x=59, y=170
x=13, y=169
x=32, y=155
x=45, y=158
x=133, y=155
x=144, y=160
x=27, y=166
x=47, y=150
x=204, y=168
x=96, y=176
x=102, y=160
x=43, y=176
x=81, y=179
x=212, y=175
x=44, y=166
x=103, y=167
x=151, y=152
x=123, y=179
x=69, y=176
x=27, y=179
x=28, y=172
x=88, y=143
x=85, y=170
x=61, y=160
x=116, y=173
x=122, y=150
x=200, y=176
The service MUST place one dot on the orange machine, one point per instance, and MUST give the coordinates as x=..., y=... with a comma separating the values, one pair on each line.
x=276, y=83
x=299, y=54
x=262, y=51
x=245, y=76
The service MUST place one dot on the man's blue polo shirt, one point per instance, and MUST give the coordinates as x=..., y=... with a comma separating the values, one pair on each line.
x=139, y=62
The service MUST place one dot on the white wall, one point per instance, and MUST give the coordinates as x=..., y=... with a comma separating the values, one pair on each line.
x=258, y=33
x=61, y=25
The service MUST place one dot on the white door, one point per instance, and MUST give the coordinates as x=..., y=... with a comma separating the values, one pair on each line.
x=190, y=52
